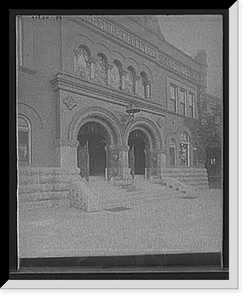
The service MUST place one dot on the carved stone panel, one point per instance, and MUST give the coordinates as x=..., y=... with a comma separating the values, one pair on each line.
x=115, y=78
x=70, y=102
x=129, y=83
x=140, y=87
x=100, y=70
x=82, y=63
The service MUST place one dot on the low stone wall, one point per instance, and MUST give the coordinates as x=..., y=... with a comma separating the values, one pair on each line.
x=45, y=187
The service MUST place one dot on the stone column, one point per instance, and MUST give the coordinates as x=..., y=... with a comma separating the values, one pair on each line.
x=148, y=90
x=92, y=62
x=161, y=162
x=109, y=68
x=123, y=79
x=136, y=78
x=118, y=162
x=124, y=163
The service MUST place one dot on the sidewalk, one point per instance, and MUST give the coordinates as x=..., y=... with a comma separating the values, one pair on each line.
x=172, y=226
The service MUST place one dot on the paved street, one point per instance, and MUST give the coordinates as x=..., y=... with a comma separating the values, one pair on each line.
x=169, y=226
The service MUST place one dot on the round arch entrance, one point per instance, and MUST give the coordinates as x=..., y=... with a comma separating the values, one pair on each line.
x=92, y=152
x=138, y=146
x=144, y=143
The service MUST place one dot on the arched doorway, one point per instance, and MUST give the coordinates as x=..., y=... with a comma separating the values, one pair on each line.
x=138, y=143
x=92, y=150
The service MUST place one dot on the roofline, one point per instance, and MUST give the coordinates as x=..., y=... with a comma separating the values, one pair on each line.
x=163, y=40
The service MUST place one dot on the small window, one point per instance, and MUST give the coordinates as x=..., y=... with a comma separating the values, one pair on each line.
x=24, y=142
x=182, y=102
x=173, y=98
x=191, y=105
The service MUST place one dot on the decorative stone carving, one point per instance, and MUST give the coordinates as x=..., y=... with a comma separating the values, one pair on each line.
x=126, y=119
x=140, y=87
x=160, y=122
x=115, y=78
x=70, y=102
x=82, y=63
x=100, y=70
x=129, y=83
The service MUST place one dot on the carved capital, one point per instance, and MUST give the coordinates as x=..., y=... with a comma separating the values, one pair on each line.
x=123, y=73
x=109, y=66
x=93, y=60
x=126, y=119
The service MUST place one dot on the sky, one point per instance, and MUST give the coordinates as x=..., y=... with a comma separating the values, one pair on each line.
x=193, y=32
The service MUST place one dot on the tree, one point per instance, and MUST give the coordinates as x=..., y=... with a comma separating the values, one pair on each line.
x=207, y=132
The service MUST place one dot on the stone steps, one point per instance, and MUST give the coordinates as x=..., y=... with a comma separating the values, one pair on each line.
x=144, y=192
x=195, y=177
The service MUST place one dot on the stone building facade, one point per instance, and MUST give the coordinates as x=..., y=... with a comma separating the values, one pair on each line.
x=104, y=96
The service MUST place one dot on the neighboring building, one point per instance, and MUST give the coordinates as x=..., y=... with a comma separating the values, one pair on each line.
x=212, y=106
x=80, y=78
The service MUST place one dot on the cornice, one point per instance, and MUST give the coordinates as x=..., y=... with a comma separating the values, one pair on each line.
x=66, y=82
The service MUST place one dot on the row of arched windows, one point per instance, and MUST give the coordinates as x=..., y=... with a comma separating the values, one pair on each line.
x=181, y=151
x=99, y=70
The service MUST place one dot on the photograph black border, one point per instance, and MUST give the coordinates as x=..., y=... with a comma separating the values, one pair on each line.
x=204, y=268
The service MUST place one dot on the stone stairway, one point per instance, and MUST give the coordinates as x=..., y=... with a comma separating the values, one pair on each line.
x=140, y=191
x=55, y=187
x=195, y=177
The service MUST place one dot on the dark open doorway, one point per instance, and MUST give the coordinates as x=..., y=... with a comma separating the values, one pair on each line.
x=92, y=150
x=137, y=154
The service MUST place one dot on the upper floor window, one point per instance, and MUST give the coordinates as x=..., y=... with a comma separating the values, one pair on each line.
x=173, y=98
x=182, y=102
x=191, y=105
x=24, y=140
x=82, y=63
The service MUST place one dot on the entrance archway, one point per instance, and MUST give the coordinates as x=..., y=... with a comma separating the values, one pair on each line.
x=138, y=144
x=92, y=150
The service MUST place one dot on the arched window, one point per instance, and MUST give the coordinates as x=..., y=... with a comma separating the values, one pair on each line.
x=195, y=155
x=115, y=75
x=184, y=149
x=24, y=140
x=82, y=65
x=145, y=85
x=130, y=80
x=101, y=69
x=172, y=152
